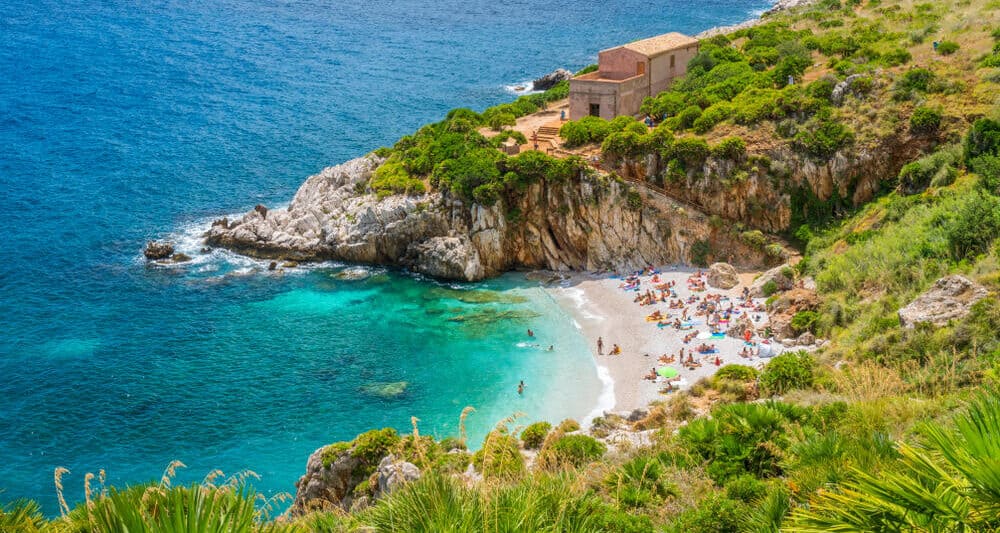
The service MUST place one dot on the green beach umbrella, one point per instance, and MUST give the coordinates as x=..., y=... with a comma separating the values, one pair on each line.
x=667, y=372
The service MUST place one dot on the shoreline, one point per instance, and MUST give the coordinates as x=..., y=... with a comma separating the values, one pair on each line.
x=599, y=308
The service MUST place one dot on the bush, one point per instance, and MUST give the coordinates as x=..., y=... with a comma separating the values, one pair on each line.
x=786, y=372
x=975, y=226
x=925, y=120
x=690, y=151
x=916, y=79
x=983, y=139
x=769, y=288
x=715, y=114
x=534, y=435
x=700, y=251
x=731, y=148
x=623, y=144
x=737, y=372
x=577, y=450
x=746, y=489
x=586, y=130
x=946, y=48
x=937, y=169
x=823, y=137
x=391, y=178
x=804, y=321
x=688, y=116
x=371, y=446
x=713, y=514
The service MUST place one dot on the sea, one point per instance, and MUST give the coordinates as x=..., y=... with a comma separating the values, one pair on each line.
x=125, y=121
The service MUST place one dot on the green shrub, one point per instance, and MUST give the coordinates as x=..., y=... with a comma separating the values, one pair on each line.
x=988, y=167
x=938, y=169
x=577, y=449
x=788, y=371
x=371, y=446
x=754, y=238
x=690, y=151
x=737, y=372
x=823, y=136
x=391, y=178
x=452, y=443
x=700, y=252
x=976, y=224
x=732, y=148
x=688, y=116
x=745, y=488
x=623, y=144
x=915, y=79
x=715, y=114
x=586, y=130
x=534, y=435
x=769, y=288
x=896, y=57
x=983, y=139
x=804, y=321
x=946, y=48
x=713, y=514
x=633, y=200
x=925, y=120
x=503, y=136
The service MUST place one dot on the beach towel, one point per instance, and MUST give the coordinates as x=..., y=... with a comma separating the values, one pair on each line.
x=718, y=335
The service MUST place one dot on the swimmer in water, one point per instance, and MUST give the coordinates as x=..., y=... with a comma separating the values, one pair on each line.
x=520, y=387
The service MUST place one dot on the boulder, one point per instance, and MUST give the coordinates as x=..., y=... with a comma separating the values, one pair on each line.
x=446, y=257
x=843, y=88
x=156, y=250
x=180, y=258
x=779, y=275
x=723, y=276
x=392, y=474
x=806, y=339
x=549, y=80
x=950, y=298
x=327, y=483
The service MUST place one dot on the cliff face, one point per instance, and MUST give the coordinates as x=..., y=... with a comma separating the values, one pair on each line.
x=769, y=195
x=590, y=223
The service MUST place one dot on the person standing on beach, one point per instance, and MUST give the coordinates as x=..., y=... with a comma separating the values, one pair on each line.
x=600, y=346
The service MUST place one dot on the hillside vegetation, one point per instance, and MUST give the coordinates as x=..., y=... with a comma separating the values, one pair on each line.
x=884, y=428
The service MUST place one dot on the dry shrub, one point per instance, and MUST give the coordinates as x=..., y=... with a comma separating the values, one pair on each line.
x=868, y=381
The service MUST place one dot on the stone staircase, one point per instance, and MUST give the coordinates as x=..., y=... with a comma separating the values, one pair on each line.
x=548, y=138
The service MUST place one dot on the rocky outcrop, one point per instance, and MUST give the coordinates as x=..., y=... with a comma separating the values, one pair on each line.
x=549, y=80
x=329, y=481
x=723, y=276
x=392, y=474
x=779, y=275
x=158, y=250
x=950, y=298
x=785, y=307
x=779, y=181
x=592, y=223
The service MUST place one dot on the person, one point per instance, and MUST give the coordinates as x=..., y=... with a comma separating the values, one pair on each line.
x=616, y=350
x=562, y=115
x=600, y=346
x=534, y=139
x=520, y=387
x=551, y=347
x=531, y=333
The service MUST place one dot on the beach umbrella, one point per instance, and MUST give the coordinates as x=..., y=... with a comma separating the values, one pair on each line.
x=667, y=372
x=705, y=335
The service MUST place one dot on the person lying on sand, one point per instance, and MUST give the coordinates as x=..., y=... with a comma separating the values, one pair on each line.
x=651, y=376
x=616, y=350
x=656, y=315
x=668, y=359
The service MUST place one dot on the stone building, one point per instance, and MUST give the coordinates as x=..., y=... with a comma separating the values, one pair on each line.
x=629, y=73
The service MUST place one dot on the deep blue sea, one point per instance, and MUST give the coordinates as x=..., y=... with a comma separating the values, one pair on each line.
x=126, y=121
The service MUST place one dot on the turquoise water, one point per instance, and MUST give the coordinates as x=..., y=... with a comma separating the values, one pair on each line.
x=126, y=121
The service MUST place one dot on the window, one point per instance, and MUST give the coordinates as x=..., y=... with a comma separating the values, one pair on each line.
x=640, y=68
x=595, y=110
x=671, y=61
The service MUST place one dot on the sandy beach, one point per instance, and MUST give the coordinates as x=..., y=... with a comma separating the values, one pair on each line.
x=603, y=308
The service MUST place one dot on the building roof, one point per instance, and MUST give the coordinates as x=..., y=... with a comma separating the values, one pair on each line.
x=655, y=46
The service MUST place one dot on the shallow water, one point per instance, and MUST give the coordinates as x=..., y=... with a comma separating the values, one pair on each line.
x=122, y=122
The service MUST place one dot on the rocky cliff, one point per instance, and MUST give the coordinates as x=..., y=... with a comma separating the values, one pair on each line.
x=781, y=183
x=589, y=223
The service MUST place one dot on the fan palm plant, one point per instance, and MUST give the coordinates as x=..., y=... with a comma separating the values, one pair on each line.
x=948, y=483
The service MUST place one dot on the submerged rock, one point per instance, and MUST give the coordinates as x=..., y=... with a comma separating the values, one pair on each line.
x=385, y=390
x=950, y=298
x=353, y=274
x=156, y=250
x=180, y=258
x=723, y=276
x=550, y=80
